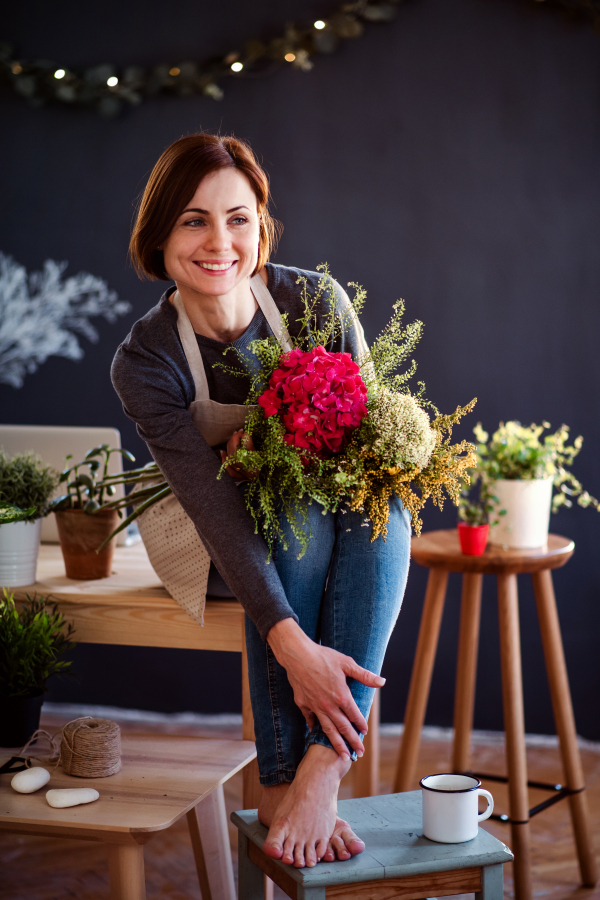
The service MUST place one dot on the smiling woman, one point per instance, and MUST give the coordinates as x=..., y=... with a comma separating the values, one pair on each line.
x=316, y=633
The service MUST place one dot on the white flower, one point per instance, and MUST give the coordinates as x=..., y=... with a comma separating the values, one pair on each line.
x=403, y=433
x=39, y=313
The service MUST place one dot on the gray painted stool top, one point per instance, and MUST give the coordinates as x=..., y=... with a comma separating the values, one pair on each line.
x=392, y=829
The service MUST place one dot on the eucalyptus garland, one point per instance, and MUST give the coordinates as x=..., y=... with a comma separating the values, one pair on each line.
x=109, y=89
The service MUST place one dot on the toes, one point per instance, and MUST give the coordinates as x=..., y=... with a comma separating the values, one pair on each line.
x=340, y=848
x=321, y=849
x=273, y=849
x=310, y=856
x=288, y=852
x=299, y=858
x=329, y=855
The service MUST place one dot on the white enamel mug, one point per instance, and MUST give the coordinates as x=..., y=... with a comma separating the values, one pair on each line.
x=450, y=813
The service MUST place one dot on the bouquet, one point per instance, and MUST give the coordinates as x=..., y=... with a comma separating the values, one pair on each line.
x=324, y=428
x=342, y=433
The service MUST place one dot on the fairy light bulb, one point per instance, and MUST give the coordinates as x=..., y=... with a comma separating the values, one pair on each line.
x=112, y=81
x=237, y=66
x=60, y=73
x=290, y=57
x=319, y=24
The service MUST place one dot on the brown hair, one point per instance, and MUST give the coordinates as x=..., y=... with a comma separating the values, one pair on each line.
x=172, y=184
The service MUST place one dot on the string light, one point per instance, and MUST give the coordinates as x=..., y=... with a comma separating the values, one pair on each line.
x=60, y=73
x=112, y=81
x=290, y=57
x=16, y=68
x=237, y=66
x=319, y=24
x=174, y=71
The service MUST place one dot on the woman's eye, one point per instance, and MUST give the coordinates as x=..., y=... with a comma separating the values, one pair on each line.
x=239, y=220
x=194, y=222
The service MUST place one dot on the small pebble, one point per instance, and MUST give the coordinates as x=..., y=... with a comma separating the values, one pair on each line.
x=60, y=799
x=30, y=780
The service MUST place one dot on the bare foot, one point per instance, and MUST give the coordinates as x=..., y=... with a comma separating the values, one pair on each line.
x=305, y=818
x=343, y=844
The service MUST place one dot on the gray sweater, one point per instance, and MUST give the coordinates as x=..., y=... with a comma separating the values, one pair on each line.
x=153, y=380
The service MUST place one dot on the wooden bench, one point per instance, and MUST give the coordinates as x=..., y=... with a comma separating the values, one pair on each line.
x=163, y=778
x=398, y=860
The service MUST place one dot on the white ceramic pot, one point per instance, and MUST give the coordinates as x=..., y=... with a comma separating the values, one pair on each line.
x=19, y=548
x=527, y=504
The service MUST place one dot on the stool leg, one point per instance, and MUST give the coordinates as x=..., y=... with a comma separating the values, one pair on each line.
x=126, y=870
x=365, y=771
x=250, y=876
x=492, y=883
x=514, y=725
x=565, y=722
x=251, y=790
x=466, y=669
x=210, y=841
x=420, y=681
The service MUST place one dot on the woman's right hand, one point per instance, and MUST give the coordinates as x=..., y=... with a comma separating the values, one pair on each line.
x=237, y=472
x=318, y=675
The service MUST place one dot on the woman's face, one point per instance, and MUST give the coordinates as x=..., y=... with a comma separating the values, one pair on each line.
x=214, y=244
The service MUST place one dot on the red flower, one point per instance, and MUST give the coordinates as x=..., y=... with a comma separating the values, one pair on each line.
x=320, y=397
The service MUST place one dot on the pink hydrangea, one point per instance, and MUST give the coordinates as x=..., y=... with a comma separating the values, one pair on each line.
x=320, y=397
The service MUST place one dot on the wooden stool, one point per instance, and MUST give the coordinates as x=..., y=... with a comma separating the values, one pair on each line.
x=163, y=778
x=439, y=551
x=398, y=861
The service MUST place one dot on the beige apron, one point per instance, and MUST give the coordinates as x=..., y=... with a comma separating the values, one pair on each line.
x=174, y=548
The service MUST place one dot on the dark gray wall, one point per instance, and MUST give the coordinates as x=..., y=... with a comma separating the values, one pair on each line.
x=450, y=158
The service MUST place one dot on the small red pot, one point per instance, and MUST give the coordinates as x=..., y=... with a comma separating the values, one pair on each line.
x=473, y=538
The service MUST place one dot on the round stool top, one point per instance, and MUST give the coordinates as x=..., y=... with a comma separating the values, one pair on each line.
x=441, y=550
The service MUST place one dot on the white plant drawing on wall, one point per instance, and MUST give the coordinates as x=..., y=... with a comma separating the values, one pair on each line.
x=41, y=314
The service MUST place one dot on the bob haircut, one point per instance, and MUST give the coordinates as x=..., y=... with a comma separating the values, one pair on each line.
x=172, y=184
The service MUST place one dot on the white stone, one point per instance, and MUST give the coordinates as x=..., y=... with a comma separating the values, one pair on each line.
x=59, y=799
x=30, y=780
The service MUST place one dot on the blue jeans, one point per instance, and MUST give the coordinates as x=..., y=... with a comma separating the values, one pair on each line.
x=347, y=593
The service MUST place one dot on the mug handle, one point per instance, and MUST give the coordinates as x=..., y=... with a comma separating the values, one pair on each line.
x=490, y=807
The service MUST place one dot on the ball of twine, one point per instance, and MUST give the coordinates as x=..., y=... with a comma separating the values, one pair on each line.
x=91, y=748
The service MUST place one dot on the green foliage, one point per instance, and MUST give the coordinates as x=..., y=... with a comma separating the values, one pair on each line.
x=477, y=502
x=32, y=641
x=517, y=451
x=86, y=490
x=10, y=514
x=26, y=483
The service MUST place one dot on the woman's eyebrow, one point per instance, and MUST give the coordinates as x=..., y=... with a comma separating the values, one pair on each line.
x=205, y=212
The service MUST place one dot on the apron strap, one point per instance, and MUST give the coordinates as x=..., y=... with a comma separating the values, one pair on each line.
x=270, y=312
x=191, y=349
x=189, y=343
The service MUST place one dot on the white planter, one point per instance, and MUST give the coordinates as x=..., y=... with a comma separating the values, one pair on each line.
x=527, y=504
x=19, y=548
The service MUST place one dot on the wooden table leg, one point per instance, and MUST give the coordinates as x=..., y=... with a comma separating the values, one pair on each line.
x=251, y=786
x=210, y=841
x=365, y=771
x=420, y=681
x=514, y=725
x=466, y=669
x=565, y=722
x=126, y=869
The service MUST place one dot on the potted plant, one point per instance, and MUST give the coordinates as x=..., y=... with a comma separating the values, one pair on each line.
x=475, y=505
x=83, y=525
x=26, y=485
x=33, y=638
x=521, y=468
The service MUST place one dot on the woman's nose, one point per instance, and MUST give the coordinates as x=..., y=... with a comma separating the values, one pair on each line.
x=218, y=237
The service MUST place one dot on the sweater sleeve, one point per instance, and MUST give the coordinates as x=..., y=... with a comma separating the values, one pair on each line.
x=153, y=393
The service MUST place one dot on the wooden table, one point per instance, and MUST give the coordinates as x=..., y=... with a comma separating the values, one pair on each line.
x=398, y=860
x=132, y=607
x=163, y=778
x=439, y=551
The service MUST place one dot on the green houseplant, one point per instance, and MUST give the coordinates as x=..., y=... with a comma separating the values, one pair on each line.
x=521, y=466
x=475, y=506
x=26, y=485
x=83, y=523
x=33, y=640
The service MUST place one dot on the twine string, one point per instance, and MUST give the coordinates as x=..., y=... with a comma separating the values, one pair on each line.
x=88, y=747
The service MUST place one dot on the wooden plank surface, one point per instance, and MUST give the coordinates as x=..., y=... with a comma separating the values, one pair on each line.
x=132, y=607
x=163, y=776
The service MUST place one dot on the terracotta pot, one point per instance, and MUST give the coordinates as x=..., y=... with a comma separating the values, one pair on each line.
x=80, y=536
x=473, y=538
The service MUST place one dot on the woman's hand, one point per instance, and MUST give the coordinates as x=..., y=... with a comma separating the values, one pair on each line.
x=318, y=678
x=237, y=472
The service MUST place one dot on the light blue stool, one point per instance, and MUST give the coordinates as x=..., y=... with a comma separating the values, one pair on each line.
x=397, y=853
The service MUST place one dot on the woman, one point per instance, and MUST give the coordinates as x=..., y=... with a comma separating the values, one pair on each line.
x=317, y=628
